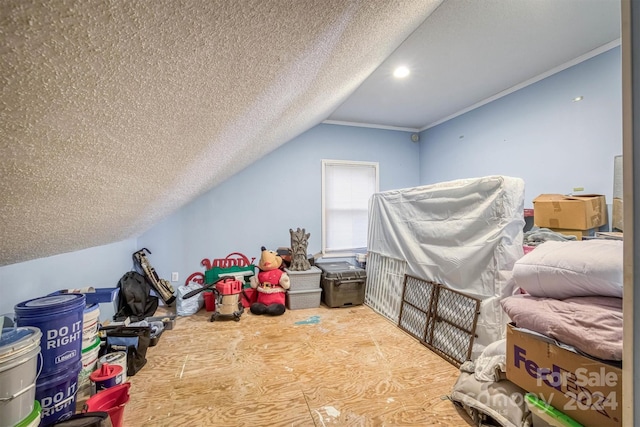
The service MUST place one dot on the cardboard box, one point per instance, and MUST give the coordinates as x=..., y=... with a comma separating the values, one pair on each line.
x=587, y=390
x=618, y=215
x=570, y=212
x=580, y=234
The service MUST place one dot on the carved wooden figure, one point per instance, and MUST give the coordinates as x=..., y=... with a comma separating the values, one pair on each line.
x=299, y=241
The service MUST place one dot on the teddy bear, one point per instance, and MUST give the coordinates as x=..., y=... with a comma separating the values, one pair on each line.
x=271, y=284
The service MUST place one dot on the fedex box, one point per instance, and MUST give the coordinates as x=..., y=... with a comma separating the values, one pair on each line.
x=585, y=389
x=570, y=212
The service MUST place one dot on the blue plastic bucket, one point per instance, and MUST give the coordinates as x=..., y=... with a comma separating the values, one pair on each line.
x=60, y=318
x=57, y=394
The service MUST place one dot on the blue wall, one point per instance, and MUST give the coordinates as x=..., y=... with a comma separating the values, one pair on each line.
x=260, y=204
x=100, y=267
x=538, y=133
x=255, y=207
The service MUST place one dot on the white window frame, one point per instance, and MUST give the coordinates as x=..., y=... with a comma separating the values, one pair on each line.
x=342, y=252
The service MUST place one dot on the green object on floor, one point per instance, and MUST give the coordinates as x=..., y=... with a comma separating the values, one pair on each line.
x=548, y=414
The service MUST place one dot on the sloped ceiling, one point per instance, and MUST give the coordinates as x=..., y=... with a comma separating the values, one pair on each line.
x=107, y=107
x=469, y=52
x=115, y=113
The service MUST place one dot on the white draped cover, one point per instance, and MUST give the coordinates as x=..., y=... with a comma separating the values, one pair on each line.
x=465, y=234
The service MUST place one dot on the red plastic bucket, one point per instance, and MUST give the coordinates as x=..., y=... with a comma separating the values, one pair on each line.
x=111, y=401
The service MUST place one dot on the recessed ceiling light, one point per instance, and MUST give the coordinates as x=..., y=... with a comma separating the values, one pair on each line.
x=578, y=98
x=401, y=72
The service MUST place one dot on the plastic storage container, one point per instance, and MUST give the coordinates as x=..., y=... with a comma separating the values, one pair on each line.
x=304, y=280
x=342, y=284
x=168, y=320
x=297, y=300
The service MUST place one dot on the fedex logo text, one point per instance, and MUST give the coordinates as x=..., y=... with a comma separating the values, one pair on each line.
x=576, y=385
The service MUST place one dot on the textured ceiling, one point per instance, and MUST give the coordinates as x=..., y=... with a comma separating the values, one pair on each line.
x=108, y=107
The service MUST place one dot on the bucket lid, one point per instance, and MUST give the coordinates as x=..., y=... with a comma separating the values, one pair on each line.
x=105, y=372
x=44, y=304
x=92, y=309
x=87, y=419
x=32, y=417
x=17, y=341
x=94, y=344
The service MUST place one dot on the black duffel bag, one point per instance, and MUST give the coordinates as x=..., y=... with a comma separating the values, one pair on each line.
x=133, y=340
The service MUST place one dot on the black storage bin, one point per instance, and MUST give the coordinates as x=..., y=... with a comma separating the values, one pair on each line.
x=342, y=284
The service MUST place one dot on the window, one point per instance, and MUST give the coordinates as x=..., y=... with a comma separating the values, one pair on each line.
x=346, y=189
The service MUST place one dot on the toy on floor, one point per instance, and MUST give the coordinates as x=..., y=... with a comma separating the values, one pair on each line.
x=271, y=283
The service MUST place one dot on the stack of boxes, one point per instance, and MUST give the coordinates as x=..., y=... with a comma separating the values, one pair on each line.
x=340, y=284
x=578, y=216
x=585, y=389
x=305, y=290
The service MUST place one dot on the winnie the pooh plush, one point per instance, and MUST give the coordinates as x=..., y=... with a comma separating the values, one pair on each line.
x=271, y=284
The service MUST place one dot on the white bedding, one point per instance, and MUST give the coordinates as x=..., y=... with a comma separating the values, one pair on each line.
x=563, y=270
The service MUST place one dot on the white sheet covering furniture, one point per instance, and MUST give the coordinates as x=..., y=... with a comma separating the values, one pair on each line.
x=465, y=234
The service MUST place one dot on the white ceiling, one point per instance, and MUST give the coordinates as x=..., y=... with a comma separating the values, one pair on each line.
x=108, y=107
x=469, y=51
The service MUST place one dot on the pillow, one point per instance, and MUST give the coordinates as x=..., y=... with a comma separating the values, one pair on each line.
x=572, y=269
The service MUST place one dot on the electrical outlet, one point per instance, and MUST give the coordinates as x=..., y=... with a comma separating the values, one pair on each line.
x=174, y=276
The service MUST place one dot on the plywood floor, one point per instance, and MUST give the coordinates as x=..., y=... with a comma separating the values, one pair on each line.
x=312, y=367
